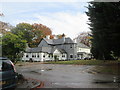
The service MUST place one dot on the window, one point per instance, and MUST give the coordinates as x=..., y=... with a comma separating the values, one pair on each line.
x=70, y=46
x=52, y=56
x=35, y=55
x=63, y=55
x=71, y=56
x=6, y=66
x=38, y=56
x=44, y=56
x=32, y=55
x=26, y=55
x=49, y=56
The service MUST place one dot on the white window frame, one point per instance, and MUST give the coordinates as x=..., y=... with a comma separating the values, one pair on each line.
x=72, y=56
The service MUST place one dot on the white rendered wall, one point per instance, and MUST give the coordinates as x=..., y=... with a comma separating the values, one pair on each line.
x=86, y=50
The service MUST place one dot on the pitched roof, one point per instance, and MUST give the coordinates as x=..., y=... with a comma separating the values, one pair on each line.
x=39, y=49
x=49, y=41
x=43, y=49
x=59, y=41
x=34, y=50
x=81, y=45
x=68, y=40
x=46, y=49
x=62, y=50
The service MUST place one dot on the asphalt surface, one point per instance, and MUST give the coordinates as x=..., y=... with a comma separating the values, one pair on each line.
x=68, y=76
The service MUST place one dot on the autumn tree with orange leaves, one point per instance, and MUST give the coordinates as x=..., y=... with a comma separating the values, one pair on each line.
x=32, y=33
x=40, y=31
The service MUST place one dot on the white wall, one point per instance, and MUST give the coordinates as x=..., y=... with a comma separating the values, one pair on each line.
x=64, y=58
x=41, y=56
x=46, y=58
x=59, y=54
x=86, y=50
x=24, y=58
x=35, y=58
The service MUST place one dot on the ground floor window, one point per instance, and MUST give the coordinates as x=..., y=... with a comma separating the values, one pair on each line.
x=44, y=56
x=38, y=56
x=71, y=56
x=63, y=55
x=32, y=55
x=49, y=56
x=26, y=56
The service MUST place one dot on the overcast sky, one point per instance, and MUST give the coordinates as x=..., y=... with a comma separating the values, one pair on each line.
x=66, y=16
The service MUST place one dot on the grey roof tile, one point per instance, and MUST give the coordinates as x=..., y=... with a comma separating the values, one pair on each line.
x=68, y=40
x=51, y=42
x=62, y=50
x=59, y=41
x=34, y=50
x=46, y=49
x=81, y=45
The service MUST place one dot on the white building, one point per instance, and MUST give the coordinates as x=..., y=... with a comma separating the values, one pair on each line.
x=83, y=51
x=57, y=49
x=52, y=49
x=36, y=54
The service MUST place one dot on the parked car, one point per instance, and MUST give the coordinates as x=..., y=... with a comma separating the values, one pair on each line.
x=8, y=76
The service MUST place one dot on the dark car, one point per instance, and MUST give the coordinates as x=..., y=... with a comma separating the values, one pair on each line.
x=8, y=76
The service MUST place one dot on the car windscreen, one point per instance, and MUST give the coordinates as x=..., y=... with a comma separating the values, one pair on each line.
x=6, y=65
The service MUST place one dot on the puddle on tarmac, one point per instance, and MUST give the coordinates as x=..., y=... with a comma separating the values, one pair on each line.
x=46, y=69
x=35, y=72
x=56, y=83
x=115, y=80
x=41, y=70
x=102, y=82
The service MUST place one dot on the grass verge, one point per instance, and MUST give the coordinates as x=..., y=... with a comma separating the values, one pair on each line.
x=111, y=69
x=83, y=62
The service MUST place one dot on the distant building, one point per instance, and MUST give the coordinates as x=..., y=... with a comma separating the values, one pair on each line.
x=57, y=49
x=83, y=51
x=52, y=49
